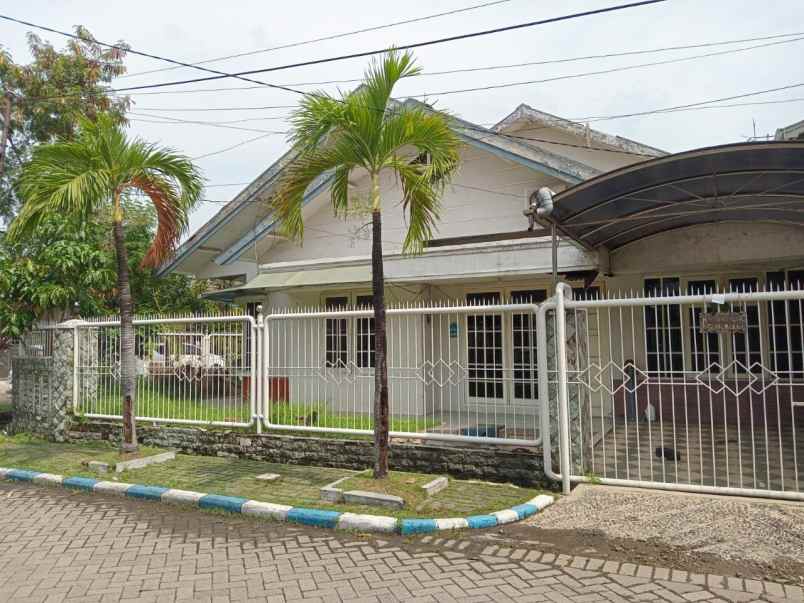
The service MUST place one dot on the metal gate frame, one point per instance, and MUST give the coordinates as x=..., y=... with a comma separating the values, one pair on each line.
x=421, y=310
x=249, y=323
x=563, y=302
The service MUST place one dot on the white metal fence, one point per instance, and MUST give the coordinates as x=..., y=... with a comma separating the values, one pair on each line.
x=700, y=391
x=195, y=370
x=454, y=372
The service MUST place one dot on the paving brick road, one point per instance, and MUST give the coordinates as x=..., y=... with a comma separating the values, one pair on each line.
x=57, y=545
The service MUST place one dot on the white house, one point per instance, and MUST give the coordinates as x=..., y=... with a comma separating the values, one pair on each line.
x=630, y=219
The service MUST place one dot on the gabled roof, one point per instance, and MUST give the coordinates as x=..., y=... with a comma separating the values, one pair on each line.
x=542, y=160
x=527, y=113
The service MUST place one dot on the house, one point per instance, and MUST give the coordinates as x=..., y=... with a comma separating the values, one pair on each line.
x=482, y=234
x=632, y=221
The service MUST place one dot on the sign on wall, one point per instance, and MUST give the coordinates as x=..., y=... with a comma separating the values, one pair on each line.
x=724, y=322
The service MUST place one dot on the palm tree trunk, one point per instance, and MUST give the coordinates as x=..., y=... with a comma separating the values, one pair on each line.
x=380, y=358
x=128, y=377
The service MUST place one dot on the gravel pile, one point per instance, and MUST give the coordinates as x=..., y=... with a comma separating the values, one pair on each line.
x=729, y=527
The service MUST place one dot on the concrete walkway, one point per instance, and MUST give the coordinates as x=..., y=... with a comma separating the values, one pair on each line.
x=58, y=545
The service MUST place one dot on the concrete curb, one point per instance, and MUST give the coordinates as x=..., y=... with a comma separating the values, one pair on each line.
x=311, y=517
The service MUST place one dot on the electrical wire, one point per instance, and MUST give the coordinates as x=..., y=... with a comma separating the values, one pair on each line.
x=451, y=71
x=329, y=37
x=240, y=75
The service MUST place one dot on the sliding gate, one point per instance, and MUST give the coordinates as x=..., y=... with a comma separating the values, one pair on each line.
x=698, y=392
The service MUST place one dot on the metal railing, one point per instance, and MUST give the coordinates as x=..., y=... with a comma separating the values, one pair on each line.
x=35, y=343
x=700, y=392
x=193, y=370
x=455, y=372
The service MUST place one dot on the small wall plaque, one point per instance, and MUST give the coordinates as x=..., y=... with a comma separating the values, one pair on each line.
x=724, y=322
x=453, y=330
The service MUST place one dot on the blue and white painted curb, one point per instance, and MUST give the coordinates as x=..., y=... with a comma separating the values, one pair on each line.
x=311, y=517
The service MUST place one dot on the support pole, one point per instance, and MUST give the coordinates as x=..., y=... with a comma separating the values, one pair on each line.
x=555, y=254
x=561, y=365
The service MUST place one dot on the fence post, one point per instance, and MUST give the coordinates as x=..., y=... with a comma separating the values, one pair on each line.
x=257, y=374
x=561, y=365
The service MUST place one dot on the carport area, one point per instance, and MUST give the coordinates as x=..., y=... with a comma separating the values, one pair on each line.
x=686, y=364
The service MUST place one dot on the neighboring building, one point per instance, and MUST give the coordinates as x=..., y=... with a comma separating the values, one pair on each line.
x=792, y=132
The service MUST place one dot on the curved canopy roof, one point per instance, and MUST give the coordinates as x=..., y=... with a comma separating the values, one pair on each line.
x=753, y=182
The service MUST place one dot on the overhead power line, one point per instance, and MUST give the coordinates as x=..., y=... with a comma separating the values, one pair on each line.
x=452, y=71
x=522, y=83
x=241, y=75
x=327, y=38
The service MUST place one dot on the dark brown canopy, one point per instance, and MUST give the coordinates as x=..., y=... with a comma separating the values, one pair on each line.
x=754, y=182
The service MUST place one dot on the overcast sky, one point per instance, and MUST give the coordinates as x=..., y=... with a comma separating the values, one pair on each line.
x=194, y=31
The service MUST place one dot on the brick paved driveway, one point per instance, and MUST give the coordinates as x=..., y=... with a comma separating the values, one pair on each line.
x=58, y=545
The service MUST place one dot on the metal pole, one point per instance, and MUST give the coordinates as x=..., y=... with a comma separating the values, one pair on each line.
x=555, y=254
x=561, y=338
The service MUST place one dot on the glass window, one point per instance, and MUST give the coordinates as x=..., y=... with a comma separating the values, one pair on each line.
x=336, y=334
x=484, y=348
x=785, y=325
x=747, y=346
x=704, y=347
x=663, y=328
x=364, y=334
x=523, y=331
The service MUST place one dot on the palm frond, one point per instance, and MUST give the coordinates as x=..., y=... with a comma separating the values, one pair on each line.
x=339, y=156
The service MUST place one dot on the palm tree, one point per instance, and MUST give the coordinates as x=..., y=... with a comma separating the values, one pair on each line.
x=94, y=174
x=366, y=131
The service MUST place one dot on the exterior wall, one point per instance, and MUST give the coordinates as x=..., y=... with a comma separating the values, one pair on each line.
x=602, y=160
x=711, y=248
x=465, y=211
x=42, y=391
x=489, y=463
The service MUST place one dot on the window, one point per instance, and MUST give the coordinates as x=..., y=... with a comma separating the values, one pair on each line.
x=336, y=334
x=663, y=328
x=484, y=348
x=523, y=327
x=704, y=347
x=785, y=325
x=364, y=334
x=747, y=346
x=586, y=293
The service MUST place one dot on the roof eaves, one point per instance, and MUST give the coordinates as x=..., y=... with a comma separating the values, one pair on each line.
x=564, y=168
x=526, y=112
x=226, y=214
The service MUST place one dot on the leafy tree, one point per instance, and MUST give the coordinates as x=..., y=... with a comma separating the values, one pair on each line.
x=367, y=131
x=47, y=94
x=94, y=174
x=46, y=275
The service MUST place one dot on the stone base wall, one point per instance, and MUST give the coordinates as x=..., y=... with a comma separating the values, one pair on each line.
x=33, y=394
x=523, y=467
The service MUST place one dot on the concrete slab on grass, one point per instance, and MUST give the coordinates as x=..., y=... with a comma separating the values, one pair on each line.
x=434, y=487
x=144, y=461
x=373, y=499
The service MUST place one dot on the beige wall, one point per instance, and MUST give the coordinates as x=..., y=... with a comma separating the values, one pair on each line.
x=465, y=211
x=602, y=160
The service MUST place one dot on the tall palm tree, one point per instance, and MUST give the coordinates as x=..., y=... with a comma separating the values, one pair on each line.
x=366, y=131
x=93, y=174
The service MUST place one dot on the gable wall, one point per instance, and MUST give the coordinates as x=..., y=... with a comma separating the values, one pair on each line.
x=602, y=160
x=464, y=211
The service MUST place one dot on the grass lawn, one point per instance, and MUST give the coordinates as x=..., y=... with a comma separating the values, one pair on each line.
x=25, y=452
x=298, y=485
x=153, y=402
x=5, y=407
